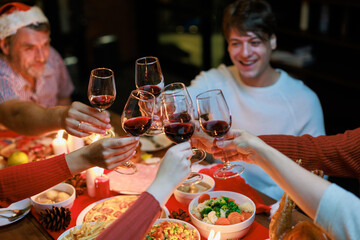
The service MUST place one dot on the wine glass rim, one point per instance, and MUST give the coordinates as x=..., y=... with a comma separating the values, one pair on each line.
x=151, y=58
x=144, y=93
x=111, y=72
x=205, y=94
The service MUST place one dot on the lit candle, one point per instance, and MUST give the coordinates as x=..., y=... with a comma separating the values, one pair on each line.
x=59, y=144
x=74, y=143
x=102, y=187
x=91, y=175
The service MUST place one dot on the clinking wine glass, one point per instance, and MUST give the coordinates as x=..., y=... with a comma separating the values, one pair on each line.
x=178, y=88
x=136, y=119
x=149, y=77
x=102, y=91
x=179, y=124
x=215, y=121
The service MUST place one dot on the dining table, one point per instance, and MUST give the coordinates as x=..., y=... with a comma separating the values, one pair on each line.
x=29, y=226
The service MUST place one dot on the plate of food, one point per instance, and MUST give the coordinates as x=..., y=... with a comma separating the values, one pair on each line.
x=84, y=231
x=154, y=143
x=109, y=209
x=15, y=206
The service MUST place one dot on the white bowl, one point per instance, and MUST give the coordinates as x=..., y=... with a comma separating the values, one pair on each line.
x=188, y=225
x=233, y=231
x=185, y=198
x=66, y=203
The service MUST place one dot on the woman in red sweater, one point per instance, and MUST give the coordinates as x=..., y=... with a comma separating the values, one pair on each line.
x=337, y=155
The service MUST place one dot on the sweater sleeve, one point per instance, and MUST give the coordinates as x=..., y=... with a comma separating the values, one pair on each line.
x=25, y=180
x=337, y=155
x=338, y=213
x=136, y=222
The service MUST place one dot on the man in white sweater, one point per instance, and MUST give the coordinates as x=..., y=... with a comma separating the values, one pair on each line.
x=262, y=100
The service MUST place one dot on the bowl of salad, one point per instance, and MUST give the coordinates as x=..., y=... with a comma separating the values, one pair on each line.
x=167, y=228
x=229, y=213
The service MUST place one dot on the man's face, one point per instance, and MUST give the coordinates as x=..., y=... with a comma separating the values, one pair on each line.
x=28, y=52
x=250, y=54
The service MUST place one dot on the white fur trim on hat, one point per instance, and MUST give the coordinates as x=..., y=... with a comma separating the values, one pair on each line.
x=10, y=23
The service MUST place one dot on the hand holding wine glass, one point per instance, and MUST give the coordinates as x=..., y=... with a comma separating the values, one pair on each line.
x=179, y=125
x=149, y=77
x=215, y=121
x=102, y=91
x=136, y=119
x=178, y=88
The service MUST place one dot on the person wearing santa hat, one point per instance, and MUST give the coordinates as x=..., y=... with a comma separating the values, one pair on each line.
x=30, y=69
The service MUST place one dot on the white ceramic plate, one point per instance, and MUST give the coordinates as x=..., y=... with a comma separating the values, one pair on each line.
x=81, y=216
x=188, y=225
x=154, y=143
x=17, y=205
x=68, y=231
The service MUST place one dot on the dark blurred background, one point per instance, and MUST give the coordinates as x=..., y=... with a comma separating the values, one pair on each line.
x=318, y=42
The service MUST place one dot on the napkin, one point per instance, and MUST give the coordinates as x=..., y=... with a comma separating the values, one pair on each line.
x=237, y=184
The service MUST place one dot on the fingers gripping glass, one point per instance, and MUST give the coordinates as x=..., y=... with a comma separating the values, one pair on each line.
x=149, y=77
x=215, y=121
x=178, y=88
x=136, y=119
x=102, y=91
x=179, y=124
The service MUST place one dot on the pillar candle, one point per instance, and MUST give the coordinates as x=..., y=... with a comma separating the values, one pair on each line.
x=74, y=143
x=91, y=174
x=102, y=187
x=59, y=144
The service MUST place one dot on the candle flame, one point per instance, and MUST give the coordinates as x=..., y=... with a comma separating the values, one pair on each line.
x=60, y=134
x=96, y=138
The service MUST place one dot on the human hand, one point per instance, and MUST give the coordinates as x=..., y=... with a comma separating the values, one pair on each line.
x=201, y=140
x=174, y=169
x=81, y=120
x=236, y=145
x=107, y=153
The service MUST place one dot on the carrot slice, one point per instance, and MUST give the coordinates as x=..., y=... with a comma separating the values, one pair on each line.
x=235, y=217
x=203, y=197
x=222, y=221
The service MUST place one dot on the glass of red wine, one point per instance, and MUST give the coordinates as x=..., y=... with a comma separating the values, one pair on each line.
x=178, y=88
x=215, y=121
x=136, y=119
x=149, y=77
x=179, y=124
x=102, y=91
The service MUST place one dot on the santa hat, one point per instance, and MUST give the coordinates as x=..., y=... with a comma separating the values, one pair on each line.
x=16, y=15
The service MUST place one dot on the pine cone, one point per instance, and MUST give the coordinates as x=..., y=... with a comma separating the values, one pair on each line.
x=79, y=184
x=181, y=215
x=55, y=219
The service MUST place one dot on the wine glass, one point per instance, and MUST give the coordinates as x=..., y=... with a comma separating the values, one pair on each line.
x=102, y=91
x=179, y=124
x=180, y=88
x=149, y=77
x=136, y=119
x=215, y=121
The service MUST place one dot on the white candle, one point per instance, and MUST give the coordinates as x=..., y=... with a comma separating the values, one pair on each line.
x=74, y=143
x=59, y=144
x=91, y=175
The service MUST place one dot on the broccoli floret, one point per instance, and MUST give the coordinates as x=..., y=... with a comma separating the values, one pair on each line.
x=205, y=211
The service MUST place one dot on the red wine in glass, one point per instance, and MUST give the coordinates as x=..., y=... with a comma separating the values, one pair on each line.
x=137, y=126
x=215, y=128
x=154, y=89
x=179, y=132
x=102, y=102
x=215, y=121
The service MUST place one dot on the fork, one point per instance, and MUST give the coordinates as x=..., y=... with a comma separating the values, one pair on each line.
x=16, y=215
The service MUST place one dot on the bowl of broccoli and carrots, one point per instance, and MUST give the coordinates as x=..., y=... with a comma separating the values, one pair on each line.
x=229, y=213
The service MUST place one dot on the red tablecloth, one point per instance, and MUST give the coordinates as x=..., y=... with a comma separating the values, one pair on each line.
x=237, y=184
